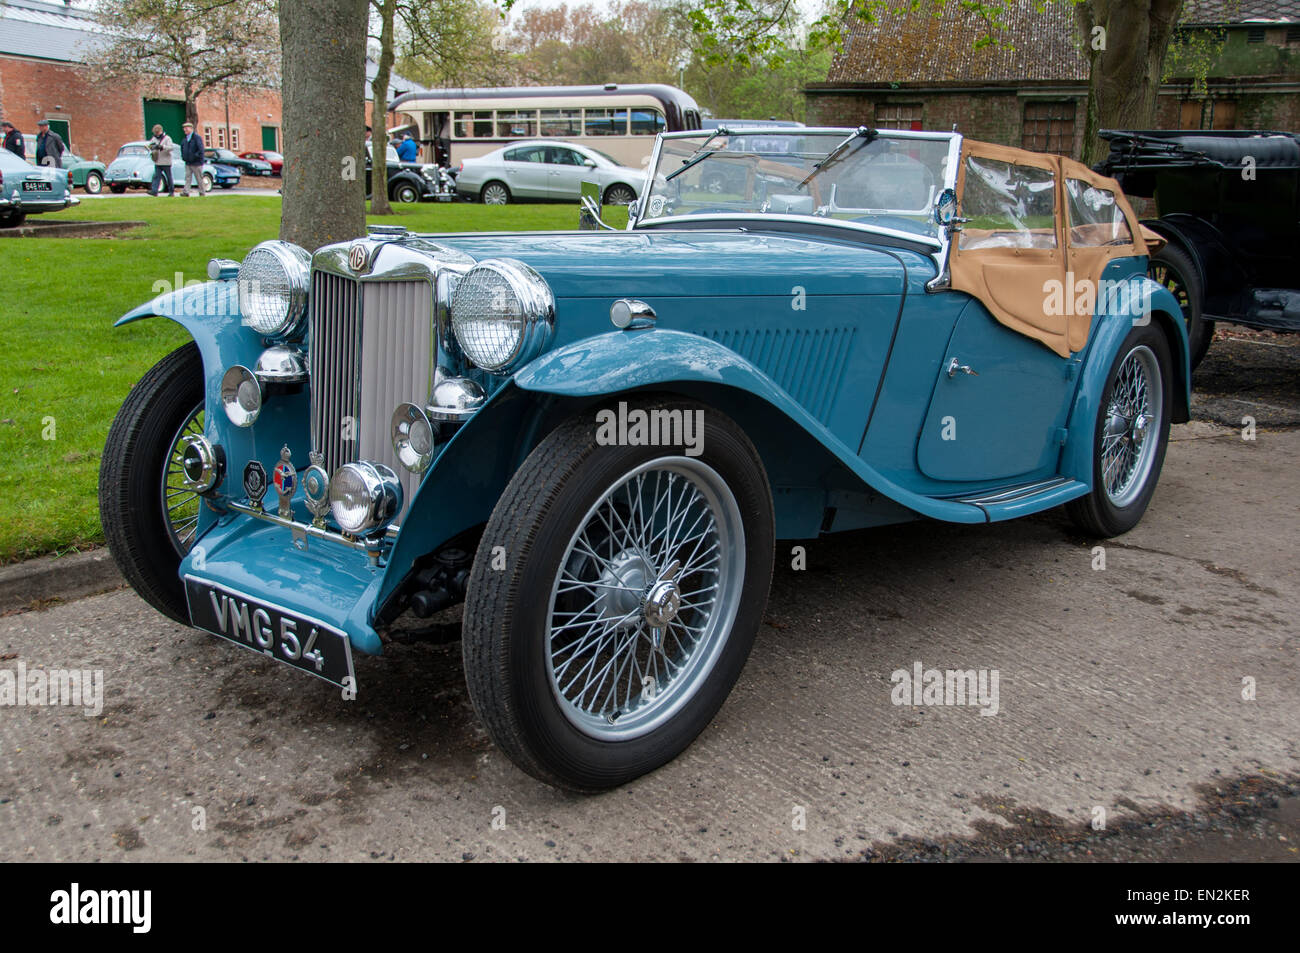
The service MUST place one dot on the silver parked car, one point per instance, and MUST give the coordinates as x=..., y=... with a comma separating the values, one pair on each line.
x=546, y=170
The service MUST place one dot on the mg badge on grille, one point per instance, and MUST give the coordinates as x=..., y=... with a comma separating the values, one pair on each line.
x=357, y=257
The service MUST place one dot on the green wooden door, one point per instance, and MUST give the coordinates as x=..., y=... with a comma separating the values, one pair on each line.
x=269, y=138
x=166, y=113
x=61, y=127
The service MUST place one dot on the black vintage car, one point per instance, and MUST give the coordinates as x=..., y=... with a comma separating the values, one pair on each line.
x=1227, y=202
x=413, y=181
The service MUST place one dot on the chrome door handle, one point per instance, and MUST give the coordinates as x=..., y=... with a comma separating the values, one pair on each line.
x=954, y=367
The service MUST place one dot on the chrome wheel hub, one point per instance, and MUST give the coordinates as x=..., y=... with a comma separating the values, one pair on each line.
x=1136, y=404
x=645, y=597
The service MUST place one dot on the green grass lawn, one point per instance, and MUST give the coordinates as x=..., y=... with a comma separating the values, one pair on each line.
x=66, y=370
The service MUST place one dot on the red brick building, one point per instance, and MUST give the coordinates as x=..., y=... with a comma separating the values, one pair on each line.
x=922, y=71
x=42, y=45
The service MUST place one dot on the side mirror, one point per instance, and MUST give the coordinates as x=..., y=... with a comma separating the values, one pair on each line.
x=945, y=208
x=589, y=163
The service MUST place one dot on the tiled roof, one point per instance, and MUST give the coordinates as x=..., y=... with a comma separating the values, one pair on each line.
x=1037, y=44
x=56, y=31
x=48, y=31
x=1240, y=11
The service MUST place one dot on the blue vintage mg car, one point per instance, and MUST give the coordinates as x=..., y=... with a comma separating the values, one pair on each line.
x=598, y=439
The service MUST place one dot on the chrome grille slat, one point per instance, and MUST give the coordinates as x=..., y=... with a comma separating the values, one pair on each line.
x=372, y=347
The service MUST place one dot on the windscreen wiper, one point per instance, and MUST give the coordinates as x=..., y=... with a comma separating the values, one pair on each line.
x=862, y=132
x=699, y=155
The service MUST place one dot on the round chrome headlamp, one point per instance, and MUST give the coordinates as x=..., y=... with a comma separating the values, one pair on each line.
x=273, y=280
x=364, y=496
x=412, y=437
x=502, y=312
x=241, y=395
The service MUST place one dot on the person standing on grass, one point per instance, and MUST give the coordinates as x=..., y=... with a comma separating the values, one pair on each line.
x=13, y=139
x=192, y=156
x=160, y=150
x=49, y=145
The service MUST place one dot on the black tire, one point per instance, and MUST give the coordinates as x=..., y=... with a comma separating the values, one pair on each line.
x=94, y=183
x=507, y=611
x=12, y=219
x=131, y=474
x=1173, y=268
x=619, y=194
x=1096, y=514
x=491, y=190
x=117, y=189
x=405, y=193
x=205, y=183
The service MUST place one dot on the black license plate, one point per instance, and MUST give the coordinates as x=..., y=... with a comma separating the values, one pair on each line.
x=38, y=186
x=285, y=636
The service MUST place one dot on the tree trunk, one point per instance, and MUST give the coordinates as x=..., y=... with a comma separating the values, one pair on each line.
x=1125, y=63
x=323, y=43
x=379, y=110
x=192, y=107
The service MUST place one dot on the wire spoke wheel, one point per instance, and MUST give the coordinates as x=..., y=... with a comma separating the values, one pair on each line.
x=1128, y=439
x=644, y=597
x=180, y=506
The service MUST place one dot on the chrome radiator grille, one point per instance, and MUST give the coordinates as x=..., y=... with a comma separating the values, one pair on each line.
x=372, y=347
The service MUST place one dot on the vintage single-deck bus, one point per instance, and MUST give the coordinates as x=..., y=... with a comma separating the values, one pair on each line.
x=621, y=121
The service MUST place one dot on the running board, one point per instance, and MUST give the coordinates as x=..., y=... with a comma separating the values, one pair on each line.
x=1027, y=498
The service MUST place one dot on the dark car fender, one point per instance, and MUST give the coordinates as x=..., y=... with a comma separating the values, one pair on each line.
x=1217, y=267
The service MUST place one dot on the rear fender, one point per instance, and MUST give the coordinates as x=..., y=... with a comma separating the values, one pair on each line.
x=1109, y=332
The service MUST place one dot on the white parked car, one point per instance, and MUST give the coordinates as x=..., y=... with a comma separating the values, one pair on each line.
x=546, y=170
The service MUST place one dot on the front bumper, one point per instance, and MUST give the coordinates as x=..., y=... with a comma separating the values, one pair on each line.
x=304, y=574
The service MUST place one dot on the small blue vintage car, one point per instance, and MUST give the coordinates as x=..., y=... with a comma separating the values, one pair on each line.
x=27, y=189
x=132, y=168
x=595, y=439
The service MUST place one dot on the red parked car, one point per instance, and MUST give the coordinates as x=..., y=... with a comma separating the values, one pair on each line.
x=276, y=160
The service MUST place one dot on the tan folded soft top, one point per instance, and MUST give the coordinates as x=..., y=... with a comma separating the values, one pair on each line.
x=1014, y=283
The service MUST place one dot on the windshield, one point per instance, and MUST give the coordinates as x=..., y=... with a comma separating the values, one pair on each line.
x=890, y=181
x=133, y=150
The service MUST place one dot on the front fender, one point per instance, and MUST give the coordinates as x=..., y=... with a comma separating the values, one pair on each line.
x=620, y=361
x=209, y=311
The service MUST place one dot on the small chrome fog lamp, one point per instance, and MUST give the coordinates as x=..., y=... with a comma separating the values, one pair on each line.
x=281, y=365
x=364, y=496
x=456, y=398
x=201, y=463
x=412, y=437
x=241, y=396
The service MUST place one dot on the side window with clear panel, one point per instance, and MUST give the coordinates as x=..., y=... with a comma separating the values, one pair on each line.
x=1007, y=205
x=1095, y=216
